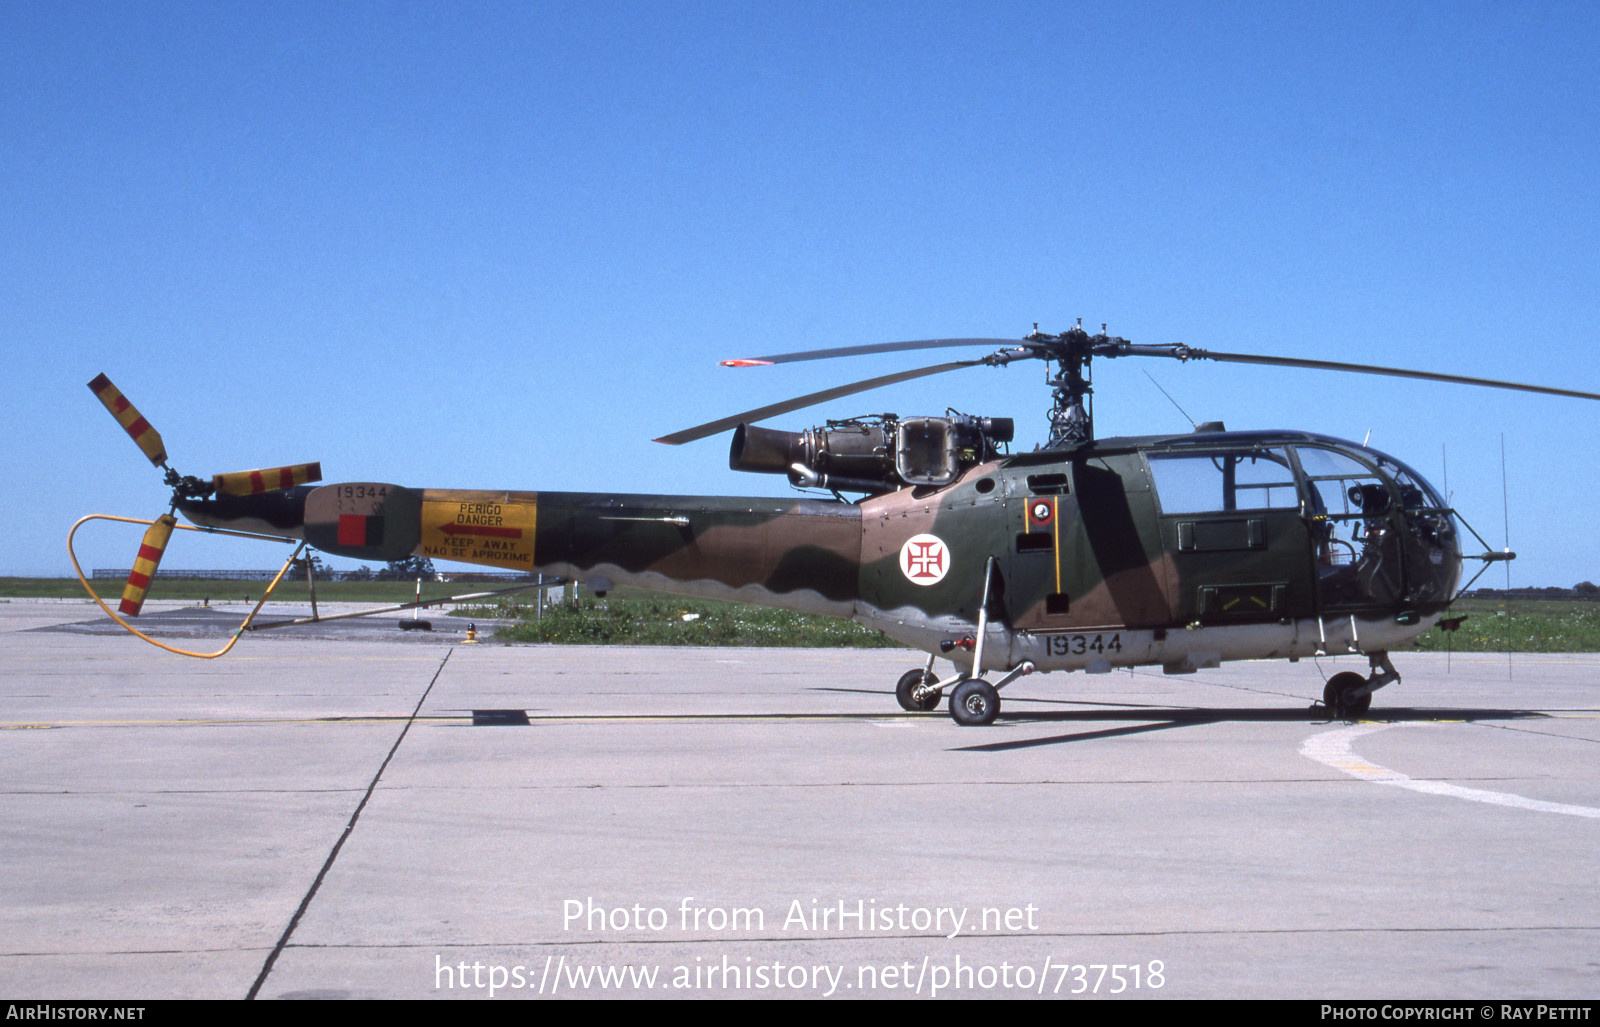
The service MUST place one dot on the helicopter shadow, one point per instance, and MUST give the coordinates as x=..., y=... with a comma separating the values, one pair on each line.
x=1072, y=702
x=1170, y=718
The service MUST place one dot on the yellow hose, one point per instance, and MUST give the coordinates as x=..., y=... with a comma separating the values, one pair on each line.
x=243, y=626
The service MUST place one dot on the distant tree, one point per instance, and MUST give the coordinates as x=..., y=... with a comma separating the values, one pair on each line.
x=1586, y=587
x=362, y=573
x=409, y=569
x=322, y=571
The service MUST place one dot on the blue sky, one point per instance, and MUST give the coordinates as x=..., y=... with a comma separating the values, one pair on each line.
x=504, y=245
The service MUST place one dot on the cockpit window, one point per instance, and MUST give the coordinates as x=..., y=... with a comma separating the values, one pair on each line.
x=1258, y=479
x=1327, y=463
x=1341, y=485
x=1415, y=492
x=1379, y=530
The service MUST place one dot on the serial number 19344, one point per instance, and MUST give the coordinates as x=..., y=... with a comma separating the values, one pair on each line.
x=1078, y=645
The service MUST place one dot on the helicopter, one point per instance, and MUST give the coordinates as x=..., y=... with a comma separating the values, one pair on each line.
x=1181, y=551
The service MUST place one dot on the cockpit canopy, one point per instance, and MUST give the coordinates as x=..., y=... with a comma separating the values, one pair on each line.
x=1339, y=479
x=1378, y=531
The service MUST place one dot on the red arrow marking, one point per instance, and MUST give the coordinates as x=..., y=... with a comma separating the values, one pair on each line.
x=480, y=529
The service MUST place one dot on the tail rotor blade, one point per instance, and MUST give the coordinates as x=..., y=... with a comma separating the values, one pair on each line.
x=144, y=566
x=138, y=429
x=248, y=483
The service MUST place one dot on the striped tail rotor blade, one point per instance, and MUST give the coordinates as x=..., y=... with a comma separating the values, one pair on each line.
x=127, y=415
x=248, y=483
x=144, y=566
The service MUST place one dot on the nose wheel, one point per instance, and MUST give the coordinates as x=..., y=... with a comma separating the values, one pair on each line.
x=1339, y=695
x=1350, y=695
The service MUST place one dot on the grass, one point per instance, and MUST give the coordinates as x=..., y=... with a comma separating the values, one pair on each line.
x=235, y=591
x=632, y=617
x=648, y=619
x=1519, y=626
x=623, y=617
x=642, y=618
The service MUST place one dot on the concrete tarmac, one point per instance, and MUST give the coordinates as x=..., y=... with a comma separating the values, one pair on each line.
x=375, y=814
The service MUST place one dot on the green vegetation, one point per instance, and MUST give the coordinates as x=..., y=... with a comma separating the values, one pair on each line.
x=643, y=618
x=43, y=588
x=626, y=618
x=632, y=617
x=623, y=617
x=1519, y=626
x=221, y=591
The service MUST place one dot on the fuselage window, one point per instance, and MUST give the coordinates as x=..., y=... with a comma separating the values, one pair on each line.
x=1047, y=484
x=1258, y=479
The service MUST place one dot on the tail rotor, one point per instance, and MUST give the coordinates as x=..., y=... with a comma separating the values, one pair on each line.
x=184, y=487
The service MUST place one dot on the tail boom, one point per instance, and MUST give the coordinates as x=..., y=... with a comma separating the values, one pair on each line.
x=791, y=553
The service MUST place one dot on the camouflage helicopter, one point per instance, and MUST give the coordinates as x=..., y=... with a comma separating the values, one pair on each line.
x=1178, y=551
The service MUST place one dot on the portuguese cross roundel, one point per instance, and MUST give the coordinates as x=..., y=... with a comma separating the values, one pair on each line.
x=924, y=559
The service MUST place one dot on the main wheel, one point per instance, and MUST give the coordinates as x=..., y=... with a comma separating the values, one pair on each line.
x=1338, y=695
x=910, y=680
x=974, y=703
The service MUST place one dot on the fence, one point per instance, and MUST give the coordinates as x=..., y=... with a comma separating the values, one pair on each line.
x=121, y=574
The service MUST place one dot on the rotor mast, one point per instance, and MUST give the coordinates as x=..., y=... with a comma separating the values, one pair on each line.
x=1072, y=409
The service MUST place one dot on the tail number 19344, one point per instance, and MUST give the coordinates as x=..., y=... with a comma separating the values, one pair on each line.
x=1078, y=645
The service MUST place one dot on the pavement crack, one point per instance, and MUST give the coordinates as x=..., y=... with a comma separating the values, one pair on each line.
x=1546, y=734
x=349, y=828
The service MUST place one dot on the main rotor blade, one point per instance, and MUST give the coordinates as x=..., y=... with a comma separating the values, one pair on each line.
x=1393, y=372
x=856, y=351
x=800, y=402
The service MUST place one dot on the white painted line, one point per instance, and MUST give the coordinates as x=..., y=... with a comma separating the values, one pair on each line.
x=1332, y=748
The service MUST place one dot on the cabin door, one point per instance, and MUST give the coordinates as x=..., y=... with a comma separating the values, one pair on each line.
x=1232, y=525
x=1087, y=548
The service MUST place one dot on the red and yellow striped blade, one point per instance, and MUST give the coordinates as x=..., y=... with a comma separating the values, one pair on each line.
x=248, y=483
x=144, y=567
x=148, y=439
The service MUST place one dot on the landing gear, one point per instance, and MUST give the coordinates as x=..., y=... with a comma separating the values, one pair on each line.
x=974, y=703
x=906, y=688
x=1350, y=695
x=1339, y=695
